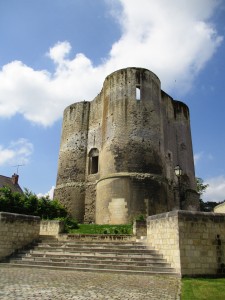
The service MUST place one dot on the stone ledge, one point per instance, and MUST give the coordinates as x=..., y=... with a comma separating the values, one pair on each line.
x=98, y=237
x=11, y=217
x=51, y=227
x=140, y=176
x=190, y=215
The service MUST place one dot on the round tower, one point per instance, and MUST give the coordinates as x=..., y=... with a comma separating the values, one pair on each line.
x=189, y=199
x=131, y=155
x=179, y=154
x=118, y=152
x=70, y=186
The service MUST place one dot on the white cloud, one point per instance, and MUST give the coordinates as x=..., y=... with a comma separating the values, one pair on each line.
x=49, y=193
x=202, y=156
x=215, y=190
x=198, y=157
x=173, y=40
x=59, y=52
x=5, y=155
x=18, y=152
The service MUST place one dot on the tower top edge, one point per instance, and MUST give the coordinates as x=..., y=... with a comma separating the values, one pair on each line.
x=119, y=71
x=76, y=104
x=131, y=69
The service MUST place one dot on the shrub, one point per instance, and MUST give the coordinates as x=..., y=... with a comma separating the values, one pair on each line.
x=28, y=203
x=70, y=224
x=140, y=218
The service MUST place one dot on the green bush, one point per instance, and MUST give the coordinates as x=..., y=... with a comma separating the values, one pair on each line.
x=70, y=224
x=140, y=218
x=29, y=204
x=103, y=229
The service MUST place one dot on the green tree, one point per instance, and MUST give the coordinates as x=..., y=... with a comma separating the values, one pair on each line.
x=201, y=187
x=28, y=203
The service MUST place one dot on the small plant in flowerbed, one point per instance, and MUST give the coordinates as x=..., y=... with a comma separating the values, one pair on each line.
x=102, y=229
x=141, y=218
x=69, y=224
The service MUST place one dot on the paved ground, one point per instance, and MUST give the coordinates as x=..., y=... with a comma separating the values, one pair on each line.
x=27, y=283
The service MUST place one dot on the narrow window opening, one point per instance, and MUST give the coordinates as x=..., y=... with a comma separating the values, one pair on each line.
x=94, y=165
x=93, y=161
x=138, y=93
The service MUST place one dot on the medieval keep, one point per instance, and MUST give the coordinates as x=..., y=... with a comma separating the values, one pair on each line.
x=119, y=152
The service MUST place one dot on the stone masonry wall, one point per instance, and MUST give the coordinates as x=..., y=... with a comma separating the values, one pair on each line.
x=163, y=235
x=51, y=227
x=220, y=208
x=17, y=231
x=139, y=228
x=202, y=242
x=193, y=242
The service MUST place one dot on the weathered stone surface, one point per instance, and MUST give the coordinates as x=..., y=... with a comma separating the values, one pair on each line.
x=140, y=229
x=51, y=227
x=193, y=242
x=17, y=231
x=220, y=208
x=119, y=147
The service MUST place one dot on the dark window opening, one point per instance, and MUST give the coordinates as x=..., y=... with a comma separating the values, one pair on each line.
x=138, y=92
x=93, y=161
x=94, y=165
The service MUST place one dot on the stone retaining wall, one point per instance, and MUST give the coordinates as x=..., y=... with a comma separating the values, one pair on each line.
x=17, y=231
x=193, y=242
x=139, y=228
x=220, y=208
x=51, y=227
x=163, y=235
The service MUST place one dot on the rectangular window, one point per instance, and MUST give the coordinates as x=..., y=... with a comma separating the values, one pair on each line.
x=94, y=165
x=138, y=92
x=93, y=161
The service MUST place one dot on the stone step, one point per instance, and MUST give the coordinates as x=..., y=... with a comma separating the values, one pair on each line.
x=93, y=249
x=77, y=241
x=101, y=237
x=150, y=263
x=66, y=256
x=96, y=266
x=92, y=245
x=140, y=254
x=129, y=257
x=48, y=237
x=88, y=242
x=132, y=272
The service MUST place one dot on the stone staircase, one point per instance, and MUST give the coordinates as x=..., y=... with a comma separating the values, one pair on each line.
x=101, y=256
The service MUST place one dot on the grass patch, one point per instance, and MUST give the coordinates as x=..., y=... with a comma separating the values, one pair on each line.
x=203, y=289
x=102, y=229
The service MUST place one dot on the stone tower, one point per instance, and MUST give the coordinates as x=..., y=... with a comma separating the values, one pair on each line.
x=118, y=152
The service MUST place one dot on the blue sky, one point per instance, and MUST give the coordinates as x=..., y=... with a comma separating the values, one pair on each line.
x=56, y=52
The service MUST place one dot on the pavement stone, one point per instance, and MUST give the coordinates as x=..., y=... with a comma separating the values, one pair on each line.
x=32, y=283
